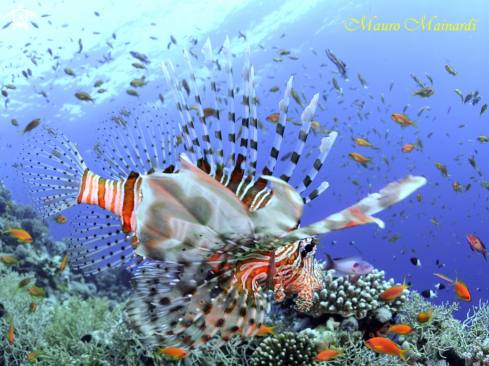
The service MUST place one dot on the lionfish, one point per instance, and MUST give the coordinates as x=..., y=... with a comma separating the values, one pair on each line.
x=206, y=237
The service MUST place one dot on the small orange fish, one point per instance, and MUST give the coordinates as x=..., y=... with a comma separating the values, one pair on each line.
x=275, y=117
x=264, y=330
x=457, y=187
x=403, y=120
x=11, y=331
x=33, y=355
x=362, y=142
x=59, y=219
x=400, y=329
x=32, y=307
x=359, y=158
x=11, y=261
x=394, y=291
x=419, y=197
x=329, y=354
x=460, y=288
x=384, y=345
x=20, y=234
x=23, y=283
x=210, y=111
x=35, y=291
x=63, y=264
x=173, y=353
x=408, y=147
x=424, y=316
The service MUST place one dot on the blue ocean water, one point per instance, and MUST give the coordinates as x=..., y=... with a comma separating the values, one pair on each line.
x=305, y=28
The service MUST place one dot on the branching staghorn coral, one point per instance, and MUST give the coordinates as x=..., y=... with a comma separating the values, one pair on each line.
x=283, y=350
x=440, y=334
x=473, y=336
x=338, y=296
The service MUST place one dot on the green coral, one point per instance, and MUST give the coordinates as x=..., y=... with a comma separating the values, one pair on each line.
x=339, y=296
x=57, y=329
x=285, y=349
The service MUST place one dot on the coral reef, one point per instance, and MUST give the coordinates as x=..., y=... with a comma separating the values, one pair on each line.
x=57, y=330
x=338, y=296
x=474, y=336
x=44, y=255
x=286, y=349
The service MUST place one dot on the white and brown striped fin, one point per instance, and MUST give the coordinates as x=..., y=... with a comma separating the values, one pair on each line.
x=279, y=134
x=306, y=118
x=253, y=127
x=186, y=310
x=150, y=310
x=231, y=113
x=208, y=166
x=360, y=213
x=240, y=164
x=52, y=170
x=187, y=123
x=326, y=145
x=207, y=51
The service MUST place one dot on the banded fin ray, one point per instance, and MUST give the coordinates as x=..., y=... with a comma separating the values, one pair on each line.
x=207, y=52
x=279, y=134
x=306, y=119
x=209, y=157
x=360, y=213
x=226, y=50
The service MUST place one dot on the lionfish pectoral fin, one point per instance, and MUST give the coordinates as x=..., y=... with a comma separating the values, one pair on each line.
x=188, y=216
x=359, y=213
x=150, y=306
x=280, y=215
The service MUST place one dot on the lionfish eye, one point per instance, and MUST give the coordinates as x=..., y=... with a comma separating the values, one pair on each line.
x=308, y=248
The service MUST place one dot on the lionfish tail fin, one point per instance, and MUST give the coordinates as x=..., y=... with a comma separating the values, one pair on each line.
x=53, y=170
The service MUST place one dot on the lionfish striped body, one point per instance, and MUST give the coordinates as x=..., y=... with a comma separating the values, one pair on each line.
x=206, y=236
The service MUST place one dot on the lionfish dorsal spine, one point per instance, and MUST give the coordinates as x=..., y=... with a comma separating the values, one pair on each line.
x=326, y=145
x=188, y=124
x=253, y=126
x=306, y=119
x=209, y=156
x=184, y=127
x=231, y=113
x=138, y=129
x=240, y=165
x=207, y=52
x=322, y=187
